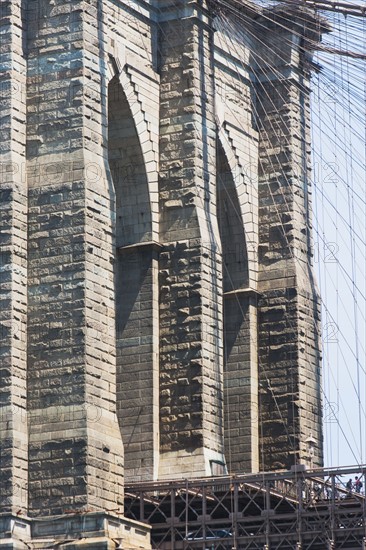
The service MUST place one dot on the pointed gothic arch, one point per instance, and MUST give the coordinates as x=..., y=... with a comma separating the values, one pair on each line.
x=135, y=274
x=240, y=331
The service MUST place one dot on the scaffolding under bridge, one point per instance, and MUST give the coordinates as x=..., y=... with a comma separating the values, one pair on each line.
x=297, y=510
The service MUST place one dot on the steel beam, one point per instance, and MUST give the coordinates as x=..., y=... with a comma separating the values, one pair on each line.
x=309, y=509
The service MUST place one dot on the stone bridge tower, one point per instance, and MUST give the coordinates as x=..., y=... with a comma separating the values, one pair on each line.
x=159, y=316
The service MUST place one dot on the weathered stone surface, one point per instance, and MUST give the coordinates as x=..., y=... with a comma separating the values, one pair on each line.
x=71, y=359
x=156, y=286
x=289, y=307
x=191, y=349
x=13, y=262
x=94, y=530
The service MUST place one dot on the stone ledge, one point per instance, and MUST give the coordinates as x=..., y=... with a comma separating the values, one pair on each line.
x=90, y=530
x=250, y=292
x=137, y=246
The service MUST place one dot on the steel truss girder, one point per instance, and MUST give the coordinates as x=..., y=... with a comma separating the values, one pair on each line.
x=286, y=510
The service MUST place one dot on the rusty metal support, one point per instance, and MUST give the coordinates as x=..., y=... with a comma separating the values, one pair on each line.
x=300, y=484
x=252, y=511
x=172, y=518
x=332, y=508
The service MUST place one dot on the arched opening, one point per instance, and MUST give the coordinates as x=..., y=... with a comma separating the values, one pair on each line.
x=240, y=365
x=126, y=162
x=235, y=257
x=135, y=272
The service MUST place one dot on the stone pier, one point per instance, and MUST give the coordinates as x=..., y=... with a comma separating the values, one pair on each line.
x=159, y=314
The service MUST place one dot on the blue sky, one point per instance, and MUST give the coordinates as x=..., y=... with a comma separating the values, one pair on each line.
x=338, y=133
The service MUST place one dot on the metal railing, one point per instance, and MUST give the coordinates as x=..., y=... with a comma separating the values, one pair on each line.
x=285, y=510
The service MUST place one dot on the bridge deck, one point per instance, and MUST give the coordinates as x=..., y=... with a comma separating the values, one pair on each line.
x=285, y=510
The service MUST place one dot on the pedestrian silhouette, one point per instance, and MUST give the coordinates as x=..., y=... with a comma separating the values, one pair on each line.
x=349, y=485
x=358, y=485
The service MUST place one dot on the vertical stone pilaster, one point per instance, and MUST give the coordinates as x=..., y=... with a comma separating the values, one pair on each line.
x=191, y=413
x=289, y=331
x=13, y=262
x=75, y=448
